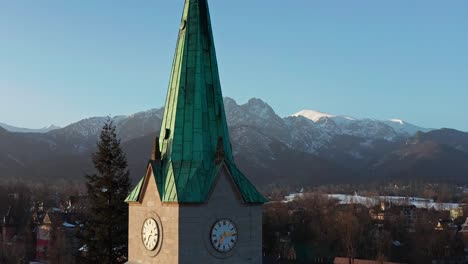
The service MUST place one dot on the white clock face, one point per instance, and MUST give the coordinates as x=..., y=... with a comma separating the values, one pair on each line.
x=223, y=235
x=150, y=234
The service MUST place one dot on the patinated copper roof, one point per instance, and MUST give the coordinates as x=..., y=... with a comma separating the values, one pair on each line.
x=194, y=141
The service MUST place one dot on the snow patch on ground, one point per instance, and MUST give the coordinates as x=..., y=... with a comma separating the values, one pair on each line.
x=375, y=200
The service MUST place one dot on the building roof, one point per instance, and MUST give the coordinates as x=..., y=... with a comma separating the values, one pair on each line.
x=342, y=260
x=464, y=227
x=194, y=140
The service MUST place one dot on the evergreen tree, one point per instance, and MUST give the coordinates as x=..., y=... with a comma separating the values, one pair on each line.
x=106, y=231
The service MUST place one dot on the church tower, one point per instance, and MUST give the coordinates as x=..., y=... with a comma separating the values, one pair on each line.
x=194, y=205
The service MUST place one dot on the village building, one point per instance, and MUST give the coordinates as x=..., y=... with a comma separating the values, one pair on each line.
x=446, y=225
x=464, y=227
x=194, y=205
x=341, y=260
x=56, y=228
x=461, y=211
x=56, y=240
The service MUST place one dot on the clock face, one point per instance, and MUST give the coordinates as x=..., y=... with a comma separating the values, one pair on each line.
x=150, y=234
x=223, y=235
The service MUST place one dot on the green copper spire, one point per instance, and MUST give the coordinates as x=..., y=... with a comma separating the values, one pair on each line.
x=194, y=142
x=194, y=114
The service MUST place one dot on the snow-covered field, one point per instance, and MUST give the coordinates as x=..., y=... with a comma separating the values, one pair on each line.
x=375, y=200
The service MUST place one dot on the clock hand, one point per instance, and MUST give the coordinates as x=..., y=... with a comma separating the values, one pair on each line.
x=223, y=236
x=226, y=235
x=231, y=234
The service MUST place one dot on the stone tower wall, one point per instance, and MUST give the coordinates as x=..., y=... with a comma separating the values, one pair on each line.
x=186, y=228
x=168, y=215
x=196, y=222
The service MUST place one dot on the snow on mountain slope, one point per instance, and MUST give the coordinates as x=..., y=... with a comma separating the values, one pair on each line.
x=128, y=126
x=334, y=125
x=140, y=124
x=307, y=131
x=28, y=130
x=256, y=113
x=316, y=115
x=387, y=129
x=87, y=128
x=403, y=127
x=293, y=149
x=307, y=136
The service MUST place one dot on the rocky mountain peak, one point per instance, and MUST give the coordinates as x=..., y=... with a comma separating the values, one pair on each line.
x=259, y=108
x=310, y=145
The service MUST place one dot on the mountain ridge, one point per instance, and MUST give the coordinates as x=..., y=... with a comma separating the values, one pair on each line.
x=313, y=115
x=271, y=150
x=28, y=130
x=400, y=126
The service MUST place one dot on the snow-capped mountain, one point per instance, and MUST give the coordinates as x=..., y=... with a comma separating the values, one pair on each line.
x=29, y=130
x=308, y=131
x=254, y=113
x=312, y=131
x=363, y=127
x=304, y=148
x=317, y=115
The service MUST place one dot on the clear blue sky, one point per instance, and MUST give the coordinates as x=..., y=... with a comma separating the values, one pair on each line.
x=61, y=61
